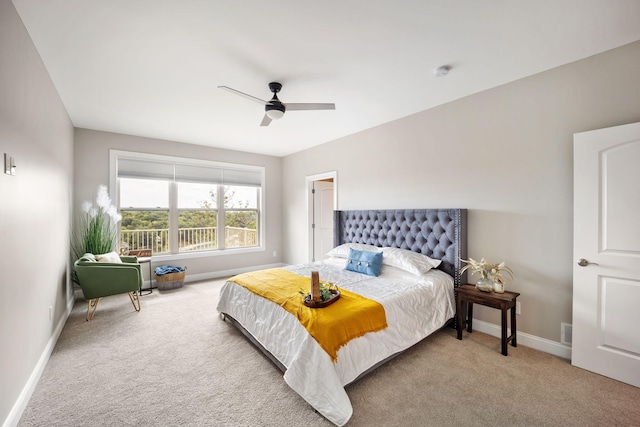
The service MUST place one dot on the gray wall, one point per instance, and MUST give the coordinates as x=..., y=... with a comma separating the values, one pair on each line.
x=505, y=154
x=34, y=209
x=91, y=159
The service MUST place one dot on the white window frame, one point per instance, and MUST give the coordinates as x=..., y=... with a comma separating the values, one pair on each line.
x=173, y=201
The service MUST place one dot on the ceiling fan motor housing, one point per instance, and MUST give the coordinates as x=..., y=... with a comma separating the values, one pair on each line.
x=275, y=87
x=274, y=108
x=274, y=104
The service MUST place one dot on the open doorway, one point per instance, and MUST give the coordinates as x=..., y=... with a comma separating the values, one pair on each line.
x=322, y=201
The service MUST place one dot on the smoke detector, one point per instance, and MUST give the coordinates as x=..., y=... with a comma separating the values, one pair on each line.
x=442, y=71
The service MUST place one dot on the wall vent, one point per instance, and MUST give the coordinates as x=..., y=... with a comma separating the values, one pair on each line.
x=566, y=333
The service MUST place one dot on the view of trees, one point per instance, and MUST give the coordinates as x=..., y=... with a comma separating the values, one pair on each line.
x=204, y=217
x=144, y=220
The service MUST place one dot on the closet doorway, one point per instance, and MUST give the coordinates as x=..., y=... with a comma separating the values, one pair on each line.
x=322, y=201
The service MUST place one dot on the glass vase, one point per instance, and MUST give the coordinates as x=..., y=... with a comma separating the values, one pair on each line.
x=484, y=284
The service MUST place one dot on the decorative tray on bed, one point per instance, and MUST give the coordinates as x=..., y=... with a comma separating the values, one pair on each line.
x=335, y=295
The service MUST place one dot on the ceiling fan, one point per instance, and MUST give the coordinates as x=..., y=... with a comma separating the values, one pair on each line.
x=274, y=109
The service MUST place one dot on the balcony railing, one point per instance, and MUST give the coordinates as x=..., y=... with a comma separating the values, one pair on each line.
x=155, y=239
x=190, y=239
x=197, y=239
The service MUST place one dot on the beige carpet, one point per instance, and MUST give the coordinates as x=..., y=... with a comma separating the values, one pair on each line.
x=175, y=363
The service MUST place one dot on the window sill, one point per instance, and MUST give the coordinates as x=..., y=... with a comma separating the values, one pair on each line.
x=205, y=254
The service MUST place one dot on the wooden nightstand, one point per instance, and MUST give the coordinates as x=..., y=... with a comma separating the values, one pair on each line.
x=470, y=295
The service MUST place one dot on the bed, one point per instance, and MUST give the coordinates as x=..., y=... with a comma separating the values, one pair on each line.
x=418, y=299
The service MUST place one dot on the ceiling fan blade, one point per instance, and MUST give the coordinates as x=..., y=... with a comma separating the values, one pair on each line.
x=265, y=121
x=308, y=106
x=246, y=95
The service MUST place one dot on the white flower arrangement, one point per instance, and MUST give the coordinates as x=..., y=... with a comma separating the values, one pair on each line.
x=98, y=226
x=496, y=272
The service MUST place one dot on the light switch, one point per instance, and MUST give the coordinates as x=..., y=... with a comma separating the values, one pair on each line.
x=9, y=165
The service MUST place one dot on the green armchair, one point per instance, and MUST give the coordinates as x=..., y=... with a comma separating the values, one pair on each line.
x=103, y=279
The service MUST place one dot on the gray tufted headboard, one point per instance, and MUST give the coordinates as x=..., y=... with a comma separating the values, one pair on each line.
x=437, y=233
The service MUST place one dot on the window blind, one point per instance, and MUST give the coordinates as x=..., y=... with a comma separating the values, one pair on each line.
x=167, y=171
x=145, y=169
x=242, y=177
x=201, y=174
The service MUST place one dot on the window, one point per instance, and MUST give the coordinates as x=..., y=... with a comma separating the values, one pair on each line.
x=144, y=206
x=241, y=216
x=197, y=216
x=182, y=205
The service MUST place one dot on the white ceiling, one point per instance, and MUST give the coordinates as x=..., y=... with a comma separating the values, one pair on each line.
x=152, y=67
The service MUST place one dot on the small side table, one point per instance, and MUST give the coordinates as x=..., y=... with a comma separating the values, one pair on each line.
x=470, y=295
x=144, y=257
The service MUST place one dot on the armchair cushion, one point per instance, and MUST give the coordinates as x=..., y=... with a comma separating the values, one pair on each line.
x=88, y=258
x=111, y=257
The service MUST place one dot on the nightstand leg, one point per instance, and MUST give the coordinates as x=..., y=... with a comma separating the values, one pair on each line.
x=514, y=342
x=469, y=317
x=459, y=317
x=504, y=331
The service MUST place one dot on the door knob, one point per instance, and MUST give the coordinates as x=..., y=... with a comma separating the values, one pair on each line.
x=583, y=262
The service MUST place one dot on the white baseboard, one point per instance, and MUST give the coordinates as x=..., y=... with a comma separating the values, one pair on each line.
x=204, y=276
x=542, y=344
x=227, y=273
x=19, y=406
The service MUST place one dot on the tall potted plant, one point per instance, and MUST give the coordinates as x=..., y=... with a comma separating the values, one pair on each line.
x=97, y=231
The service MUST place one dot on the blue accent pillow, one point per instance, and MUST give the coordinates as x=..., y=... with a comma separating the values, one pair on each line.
x=364, y=262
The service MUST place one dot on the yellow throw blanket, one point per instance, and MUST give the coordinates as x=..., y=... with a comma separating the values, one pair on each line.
x=333, y=326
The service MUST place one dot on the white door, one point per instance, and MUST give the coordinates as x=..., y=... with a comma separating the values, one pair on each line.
x=322, y=219
x=606, y=271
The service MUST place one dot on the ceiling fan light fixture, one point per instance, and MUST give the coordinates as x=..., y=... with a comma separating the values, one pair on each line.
x=275, y=114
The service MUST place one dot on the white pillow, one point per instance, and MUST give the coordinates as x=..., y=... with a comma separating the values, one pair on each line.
x=111, y=257
x=342, y=251
x=407, y=260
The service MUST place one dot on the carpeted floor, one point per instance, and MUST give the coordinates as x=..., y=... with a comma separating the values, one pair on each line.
x=175, y=363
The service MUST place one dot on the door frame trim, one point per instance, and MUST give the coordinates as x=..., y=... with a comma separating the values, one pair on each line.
x=309, y=180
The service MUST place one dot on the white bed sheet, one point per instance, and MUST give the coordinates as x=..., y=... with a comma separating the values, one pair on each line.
x=415, y=307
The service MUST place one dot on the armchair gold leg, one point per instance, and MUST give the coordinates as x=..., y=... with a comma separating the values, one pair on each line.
x=92, y=305
x=135, y=298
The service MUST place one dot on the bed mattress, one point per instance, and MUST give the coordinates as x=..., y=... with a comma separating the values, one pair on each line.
x=415, y=306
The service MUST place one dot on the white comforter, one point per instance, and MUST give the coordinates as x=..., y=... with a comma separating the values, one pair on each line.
x=415, y=306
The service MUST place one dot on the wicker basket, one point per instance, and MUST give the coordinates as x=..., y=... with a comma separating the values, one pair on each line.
x=170, y=281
